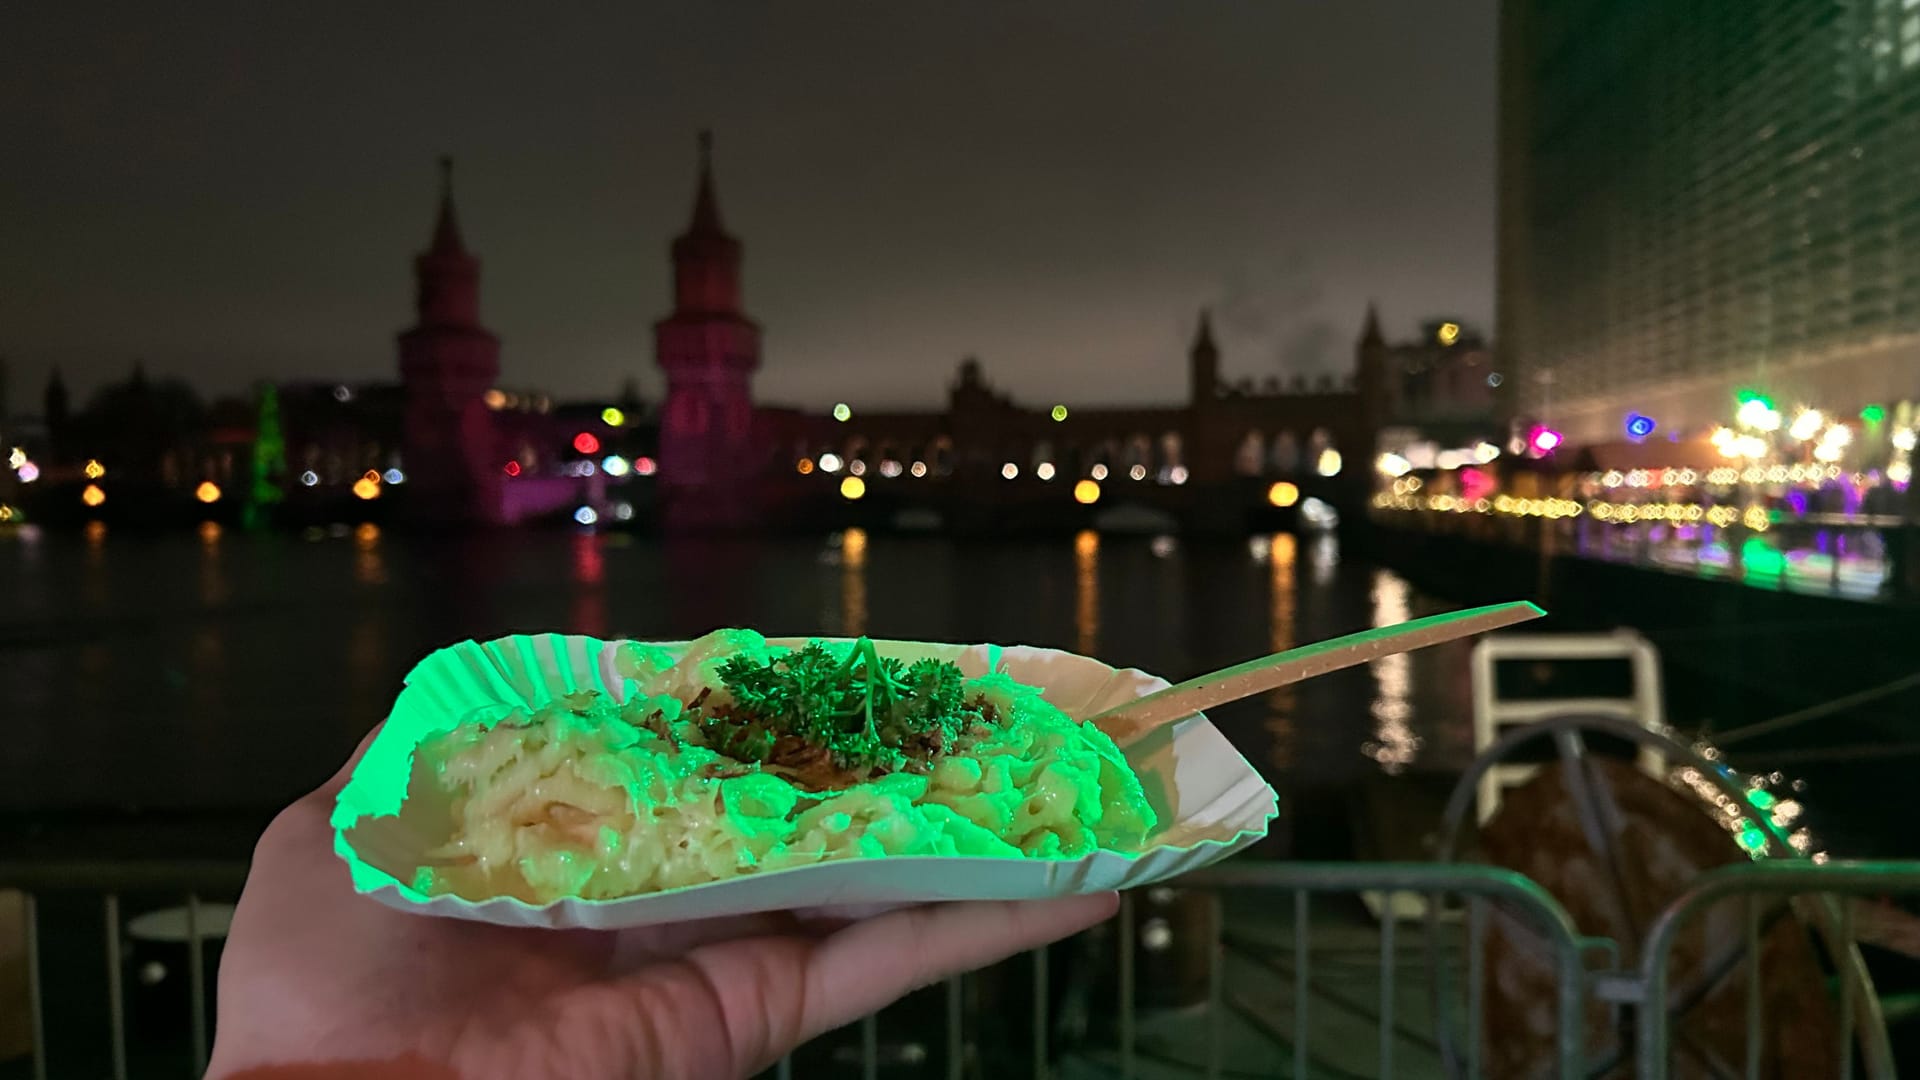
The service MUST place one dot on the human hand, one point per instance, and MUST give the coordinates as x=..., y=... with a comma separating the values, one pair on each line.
x=319, y=981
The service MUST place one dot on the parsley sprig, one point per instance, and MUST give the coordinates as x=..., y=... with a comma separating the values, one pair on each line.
x=868, y=711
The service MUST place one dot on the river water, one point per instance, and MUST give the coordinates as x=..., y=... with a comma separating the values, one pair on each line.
x=229, y=672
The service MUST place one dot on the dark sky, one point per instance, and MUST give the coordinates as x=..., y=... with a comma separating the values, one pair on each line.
x=235, y=191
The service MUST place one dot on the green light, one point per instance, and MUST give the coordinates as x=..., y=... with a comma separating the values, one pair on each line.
x=1873, y=414
x=1761, y=799
x=1751, y=838
x=843, y=412
x=1059, y=412
x=1746, y=396
x=1758, y=558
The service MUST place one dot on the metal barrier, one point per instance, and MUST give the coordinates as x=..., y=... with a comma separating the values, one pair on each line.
x=1645, y=988
x=1815, y=887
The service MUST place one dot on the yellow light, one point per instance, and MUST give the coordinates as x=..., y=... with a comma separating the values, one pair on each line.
x=1283, y=494
x=19, y=456
x=1059, y=413
x=1757, y=414
x=1806, y=425
x=93, y=496
x=95, y=470
x=364, y=488
x=207, y=492
x=496, y=400
x=1393, y=465
x=804, y=466
x=852, y=488
x=613, y=417
x=6, y=512
x=1086, y=492
x=1329, y=463
x=1449, y=333
x=843, y=412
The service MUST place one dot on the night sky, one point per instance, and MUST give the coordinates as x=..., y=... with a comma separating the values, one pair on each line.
x=235, y=191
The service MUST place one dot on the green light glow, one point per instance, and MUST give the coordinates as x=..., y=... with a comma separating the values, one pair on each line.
x=1873, y=414
x=1761, y=799
x=269, y=459
x=1751, y=837
x=1758, y=558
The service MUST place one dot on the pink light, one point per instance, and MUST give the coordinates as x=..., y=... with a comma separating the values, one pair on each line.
x=512, y=468
x=1546, y=440
x=645, y=466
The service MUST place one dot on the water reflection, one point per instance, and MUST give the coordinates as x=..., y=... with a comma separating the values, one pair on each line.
x=853, y=582
x=1086, y=592
x=1324, y=556
x=1394, y=744
x=214, y=589
x=369, y=565
x=588, y=614
x=1282, y=604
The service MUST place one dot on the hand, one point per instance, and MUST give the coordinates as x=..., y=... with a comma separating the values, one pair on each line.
x=318, y=981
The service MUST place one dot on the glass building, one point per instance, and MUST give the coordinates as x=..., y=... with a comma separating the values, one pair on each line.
x=1700, y=199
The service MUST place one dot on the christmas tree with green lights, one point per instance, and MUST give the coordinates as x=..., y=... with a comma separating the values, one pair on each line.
x=269, y=460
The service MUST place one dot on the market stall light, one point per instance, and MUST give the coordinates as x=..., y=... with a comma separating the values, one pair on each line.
x=1086, y=492
x=830, y=463
x=1873, y=414
x=511, y=468
x=804, y=466
x=615, y=465
x=1545, y=440
x=1806, y=425
x=394, y=476
x=852, y=488
x=586, y=515
x=16, y=457
x=309, y=478
x=207, y=492
x=890, y=468
x=1177, y=475
x=92, y=495
x=1009, y=470
x=1837, y=435
x=645, y=466
x=843, y=412
x=1138, y=472
x=613, y=417
x=1283, y=494
x=917, y=470
x=857, y=467
x=1098, y=472
x=1044, y=470
x=1394, y=465
x=366, y=489
x=1485, y=452
x=1329, y=463
x=586, y=442
x=94, y=470
x=1639, y=425
x=1059, y=413
x=1904, y=439
x=1759, y=414
x=28, y=472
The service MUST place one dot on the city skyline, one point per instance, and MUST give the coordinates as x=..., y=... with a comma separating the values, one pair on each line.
x=236, y=230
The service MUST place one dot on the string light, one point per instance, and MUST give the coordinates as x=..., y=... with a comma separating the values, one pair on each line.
x=1806, y=425
x=918, y=469
x=1009, y=470
x=207, y=492
x=615, y=465
x=830, y=462
x=1138, y=472
x=17, y=457
x=1098, y=472
x=1086, y=492
x=1329, y=463
x=804, y=466
x=366, y=489
x=1283, y=494
x=511, y=468
x=586, y=515
x=28, y=473
x=843, y=412
x=645, y=466
x=94, y=470
x=92, y=495
x=1044, y=471
x=613, y=417
x=852, y=488
x=1059, y=413
x=586, y=443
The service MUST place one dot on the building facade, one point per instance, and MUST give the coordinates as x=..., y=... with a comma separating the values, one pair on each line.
x=1704, y=201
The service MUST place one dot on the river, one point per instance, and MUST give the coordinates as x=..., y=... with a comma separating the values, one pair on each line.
x=224, y=672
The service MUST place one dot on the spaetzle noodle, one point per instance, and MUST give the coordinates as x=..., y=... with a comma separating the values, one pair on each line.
x=597, y=799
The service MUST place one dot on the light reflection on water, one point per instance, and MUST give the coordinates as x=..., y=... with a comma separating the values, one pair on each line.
x=853, y=583
x=1086, y=593
x=1281, y=703
x=1394, y=744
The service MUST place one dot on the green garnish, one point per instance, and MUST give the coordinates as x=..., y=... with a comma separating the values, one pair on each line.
x=866, y=711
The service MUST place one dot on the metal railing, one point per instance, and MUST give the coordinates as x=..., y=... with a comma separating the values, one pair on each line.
x=1456, y=1023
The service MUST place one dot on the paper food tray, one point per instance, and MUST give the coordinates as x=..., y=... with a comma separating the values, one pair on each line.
x=1210, y=801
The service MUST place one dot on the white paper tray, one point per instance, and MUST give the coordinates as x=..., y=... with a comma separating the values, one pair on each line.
x=1210, y=801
